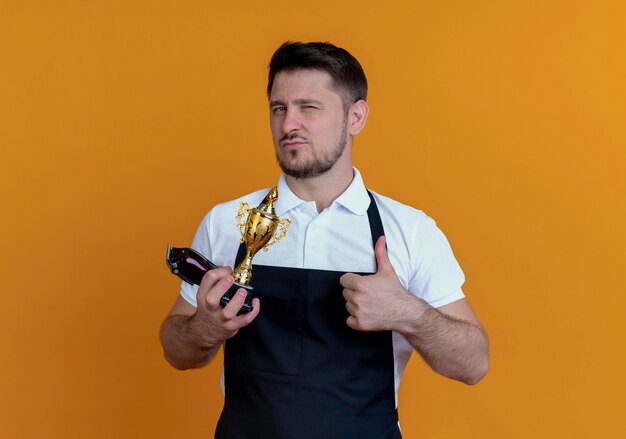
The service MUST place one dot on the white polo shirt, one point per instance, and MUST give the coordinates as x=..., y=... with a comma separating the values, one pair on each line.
x=339, y=239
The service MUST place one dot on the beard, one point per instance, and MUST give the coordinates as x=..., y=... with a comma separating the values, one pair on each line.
x=319, y=163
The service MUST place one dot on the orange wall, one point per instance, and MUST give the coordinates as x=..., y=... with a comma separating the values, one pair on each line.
x=123, y=122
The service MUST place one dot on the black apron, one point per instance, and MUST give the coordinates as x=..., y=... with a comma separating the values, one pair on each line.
x=298, y=371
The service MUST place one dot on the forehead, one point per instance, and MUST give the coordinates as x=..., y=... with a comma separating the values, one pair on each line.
x=302, y=84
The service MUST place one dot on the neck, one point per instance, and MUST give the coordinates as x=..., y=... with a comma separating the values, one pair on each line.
x=323, y=189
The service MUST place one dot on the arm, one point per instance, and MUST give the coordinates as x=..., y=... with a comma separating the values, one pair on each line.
x=450, y=339
x=191, y=336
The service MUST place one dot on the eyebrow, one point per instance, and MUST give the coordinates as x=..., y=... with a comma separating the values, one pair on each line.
x=297, y=102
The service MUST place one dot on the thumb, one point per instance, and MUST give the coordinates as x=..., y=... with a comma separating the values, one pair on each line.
x=382, y=257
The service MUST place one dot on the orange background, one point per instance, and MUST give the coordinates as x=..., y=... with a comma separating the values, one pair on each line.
x=123, y=122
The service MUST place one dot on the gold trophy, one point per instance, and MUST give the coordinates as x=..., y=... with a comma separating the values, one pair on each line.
x=262, y=229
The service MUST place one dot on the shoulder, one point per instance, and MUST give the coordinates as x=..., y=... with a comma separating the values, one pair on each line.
x=407, y=228
x=420, y=253
x=395, y=212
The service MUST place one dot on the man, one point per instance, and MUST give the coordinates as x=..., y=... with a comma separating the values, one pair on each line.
x=357, y=284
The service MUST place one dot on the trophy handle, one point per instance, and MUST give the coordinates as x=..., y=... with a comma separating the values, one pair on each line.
x=241, y=222
x=281, y=231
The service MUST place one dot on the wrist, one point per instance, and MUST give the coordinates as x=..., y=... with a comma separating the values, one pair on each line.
x=414, y=314
x=196, y=331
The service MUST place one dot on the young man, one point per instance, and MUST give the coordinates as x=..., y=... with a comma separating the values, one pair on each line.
x=357, y=284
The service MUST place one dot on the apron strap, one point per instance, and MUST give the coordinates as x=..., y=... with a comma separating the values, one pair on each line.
x=376, y=224
x=241, y=253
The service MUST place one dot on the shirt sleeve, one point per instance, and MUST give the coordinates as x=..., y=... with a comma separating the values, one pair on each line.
x=437, y=275
x=202, y=244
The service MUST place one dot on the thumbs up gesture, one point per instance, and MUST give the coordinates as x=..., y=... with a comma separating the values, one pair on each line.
x=378, y=302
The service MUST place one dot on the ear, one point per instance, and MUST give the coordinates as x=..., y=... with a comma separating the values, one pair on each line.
x=357, y=116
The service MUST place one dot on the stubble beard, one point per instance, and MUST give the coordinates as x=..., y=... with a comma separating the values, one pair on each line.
x=319, y=163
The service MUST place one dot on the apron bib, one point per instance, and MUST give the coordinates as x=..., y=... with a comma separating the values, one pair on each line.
x=298, y=371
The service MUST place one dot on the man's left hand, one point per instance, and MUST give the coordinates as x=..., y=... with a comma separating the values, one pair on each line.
x=378, y=302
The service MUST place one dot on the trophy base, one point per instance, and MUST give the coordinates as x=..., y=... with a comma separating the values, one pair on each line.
x=247, y=304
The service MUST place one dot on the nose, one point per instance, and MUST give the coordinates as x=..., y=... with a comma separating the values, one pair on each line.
x=291, y=122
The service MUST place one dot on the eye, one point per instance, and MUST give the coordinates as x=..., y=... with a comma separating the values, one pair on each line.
x=278, y=109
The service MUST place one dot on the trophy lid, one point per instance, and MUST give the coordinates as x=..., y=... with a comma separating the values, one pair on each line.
x=267, y=205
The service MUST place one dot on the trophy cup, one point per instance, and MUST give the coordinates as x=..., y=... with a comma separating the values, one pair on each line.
x=262, y=229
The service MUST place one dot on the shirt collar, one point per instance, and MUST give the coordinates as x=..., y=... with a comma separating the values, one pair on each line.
x=287, y=200
x=354, y=198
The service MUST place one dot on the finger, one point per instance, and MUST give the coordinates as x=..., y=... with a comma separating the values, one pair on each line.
x=239, y=321
x=353, y=322
x=234, y=305
x=351, y=308
x=382, y=257
x=218, y=290
x=209, y=280
x=349, y=280
x=212, y=277
x=247, y=318
x=348, y=294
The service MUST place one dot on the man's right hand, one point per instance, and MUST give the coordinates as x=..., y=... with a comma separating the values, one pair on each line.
x=192, y=335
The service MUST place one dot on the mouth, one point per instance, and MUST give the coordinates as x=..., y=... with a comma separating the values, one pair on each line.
x=291, y=144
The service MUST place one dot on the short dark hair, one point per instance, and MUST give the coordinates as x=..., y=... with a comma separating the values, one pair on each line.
x=347, y=74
